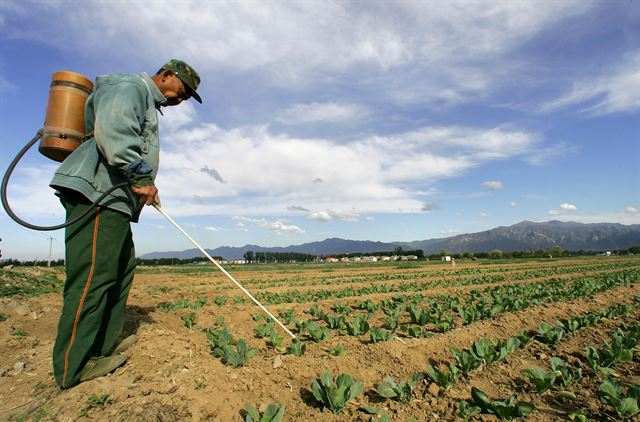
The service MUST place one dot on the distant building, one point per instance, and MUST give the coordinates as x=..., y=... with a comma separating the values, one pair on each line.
x=446, y=258
x=229, y=261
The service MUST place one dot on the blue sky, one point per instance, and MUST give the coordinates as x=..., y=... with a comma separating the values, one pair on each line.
x=388, y=121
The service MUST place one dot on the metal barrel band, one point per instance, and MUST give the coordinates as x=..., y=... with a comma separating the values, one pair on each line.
x=64, y=135
x=72, y=85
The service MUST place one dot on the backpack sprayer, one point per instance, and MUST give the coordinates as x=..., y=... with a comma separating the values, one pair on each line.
x=62, y=133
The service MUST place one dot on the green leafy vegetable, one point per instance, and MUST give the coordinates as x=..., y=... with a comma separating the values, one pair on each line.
x=235, y=356
x=358, y=326
x=337, y=350
x=504, y=409
x=336, y=395
x=273, y=413
x=296, y=348
x=400, y=392
x=611, y=393
x=189, y=319
x=444, y=379
x=379, y=335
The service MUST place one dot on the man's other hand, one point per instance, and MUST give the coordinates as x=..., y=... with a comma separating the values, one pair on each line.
x=148, y=194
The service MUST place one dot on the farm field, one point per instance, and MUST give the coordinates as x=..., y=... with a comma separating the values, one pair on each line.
x=543, y=340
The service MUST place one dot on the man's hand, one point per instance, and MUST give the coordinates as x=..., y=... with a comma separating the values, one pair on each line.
x=147, y=194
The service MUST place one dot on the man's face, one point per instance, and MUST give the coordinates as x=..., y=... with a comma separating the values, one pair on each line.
x=175, y=91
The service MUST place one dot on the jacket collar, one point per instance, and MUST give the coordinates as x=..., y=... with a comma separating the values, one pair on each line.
x=158, y=98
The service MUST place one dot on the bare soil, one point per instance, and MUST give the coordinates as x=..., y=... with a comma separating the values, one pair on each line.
x=171, y=375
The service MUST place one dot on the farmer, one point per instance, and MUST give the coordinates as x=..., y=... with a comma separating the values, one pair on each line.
x=123, y=146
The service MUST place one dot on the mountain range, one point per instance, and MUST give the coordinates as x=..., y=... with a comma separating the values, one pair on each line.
x=526, y=235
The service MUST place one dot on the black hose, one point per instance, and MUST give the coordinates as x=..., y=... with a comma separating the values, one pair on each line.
x=14, y=217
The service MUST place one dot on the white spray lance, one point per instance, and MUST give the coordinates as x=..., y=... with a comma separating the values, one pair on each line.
x=223, y=270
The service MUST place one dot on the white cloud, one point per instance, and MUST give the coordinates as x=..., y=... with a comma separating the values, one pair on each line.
x=321, y=113
x=30, y=196
x=277, y=226
x=352, y=217
x=493, y=184
x=565, y=208
x=263, y=170
x=615, y=92
x=211, y=228
x=174, y=118
x=431, y=52
x=371, y=173
x=484, y=214
x=319, y=216
x=370, y=219
x=513, y=204
x=631, y=210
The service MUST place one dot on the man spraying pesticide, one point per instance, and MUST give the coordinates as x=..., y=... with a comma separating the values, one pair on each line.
x=105, y=179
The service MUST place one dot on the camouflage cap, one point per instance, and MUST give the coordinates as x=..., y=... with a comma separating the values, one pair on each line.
x=187, y=75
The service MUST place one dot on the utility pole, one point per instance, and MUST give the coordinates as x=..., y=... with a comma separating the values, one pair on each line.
x=51, y=239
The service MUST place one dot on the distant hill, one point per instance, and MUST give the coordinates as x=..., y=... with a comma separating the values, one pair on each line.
x=325, y=247
x=528, y=235
x=523, y=236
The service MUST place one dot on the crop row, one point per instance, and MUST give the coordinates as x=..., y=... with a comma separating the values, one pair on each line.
x=451, y=276
x=485, y=351
x=297, y=296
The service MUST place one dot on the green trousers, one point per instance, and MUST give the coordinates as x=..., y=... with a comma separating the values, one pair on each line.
x=100, y=264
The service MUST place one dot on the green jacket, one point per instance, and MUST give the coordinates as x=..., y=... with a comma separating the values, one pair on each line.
x=122, y=113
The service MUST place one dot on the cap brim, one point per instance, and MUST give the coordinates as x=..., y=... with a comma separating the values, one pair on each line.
x=194, y=94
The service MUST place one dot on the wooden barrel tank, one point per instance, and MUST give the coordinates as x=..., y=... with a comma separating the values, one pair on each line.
x=64, y=128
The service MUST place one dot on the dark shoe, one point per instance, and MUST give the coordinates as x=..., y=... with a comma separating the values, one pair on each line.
x=125, y=344
x=101, y=366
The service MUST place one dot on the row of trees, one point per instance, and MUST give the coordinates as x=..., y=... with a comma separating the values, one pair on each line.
x=175, y=261
x=555, y=252
x=31, y=263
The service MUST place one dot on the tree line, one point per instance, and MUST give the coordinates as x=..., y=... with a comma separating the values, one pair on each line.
x=276, y=257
